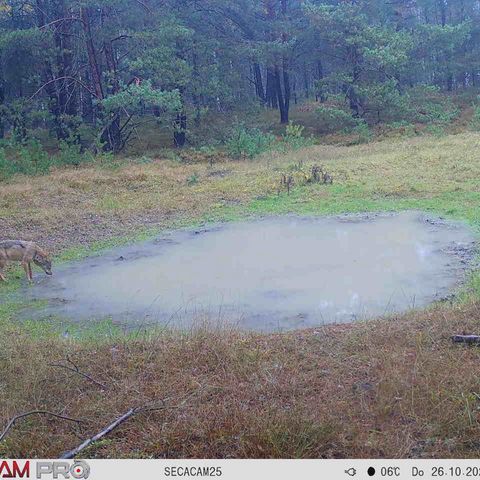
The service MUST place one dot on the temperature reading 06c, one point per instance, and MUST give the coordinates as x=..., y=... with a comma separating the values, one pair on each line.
x=390, y=471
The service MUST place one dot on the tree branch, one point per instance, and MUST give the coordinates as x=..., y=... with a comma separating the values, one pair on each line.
x=144, y=5
x=66, y=77
x=11, y=423
x=60, y=20
x=76, y=370
x=98, y=436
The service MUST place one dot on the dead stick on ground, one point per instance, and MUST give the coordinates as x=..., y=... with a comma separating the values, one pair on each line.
x=76, y=370
x=119, y=421
x=98, y=436
x=11, y=423
x=475, y=339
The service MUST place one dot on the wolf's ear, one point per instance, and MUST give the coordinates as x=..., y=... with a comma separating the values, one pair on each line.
x=41, y=254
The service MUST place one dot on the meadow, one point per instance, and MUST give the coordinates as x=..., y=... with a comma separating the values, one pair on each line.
x=388, y=387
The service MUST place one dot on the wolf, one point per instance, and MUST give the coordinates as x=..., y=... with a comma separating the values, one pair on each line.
x=24, y=252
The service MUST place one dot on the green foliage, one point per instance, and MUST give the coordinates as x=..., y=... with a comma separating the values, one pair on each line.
x=332, y=119
x=192, y=179
x=403, y=127
x=248, y=143
x=6, y=170
x=134, y=98
x=363, y=58
x=429, y=106
x=435, y=130
x=30, y=158
x=294, y=138
x=475, y=122
x=72, y=154
x=383, y=102
x=363, y=132
x=22, y=51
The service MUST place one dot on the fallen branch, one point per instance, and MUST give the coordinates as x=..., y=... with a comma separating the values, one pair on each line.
x=76, y=370
x=98, y=436
x=11, y=423
x=120, y=420
x=470, y=339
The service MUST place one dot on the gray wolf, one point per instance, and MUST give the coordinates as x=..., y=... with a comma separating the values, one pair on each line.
x=25, y=253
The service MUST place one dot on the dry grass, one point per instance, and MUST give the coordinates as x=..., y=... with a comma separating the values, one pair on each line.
x=386, y=388
x=73, y=207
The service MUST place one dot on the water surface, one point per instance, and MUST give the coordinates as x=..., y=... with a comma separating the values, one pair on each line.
x=275, y=273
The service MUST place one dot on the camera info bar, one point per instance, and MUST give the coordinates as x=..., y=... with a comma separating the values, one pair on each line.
x=240, y=469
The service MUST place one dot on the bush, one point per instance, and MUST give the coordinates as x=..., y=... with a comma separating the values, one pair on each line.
x=32, y=159
x=475, y=122
x=333, y=119
x=6, y=167
x=249, y=143
x=429, y=106
x=363, y=131
x=29, y=158
x=293, y=137
x=402, y=128
x=435, y=130
x=71, y=154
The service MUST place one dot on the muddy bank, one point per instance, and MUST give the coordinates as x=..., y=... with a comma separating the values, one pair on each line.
x=271, y=274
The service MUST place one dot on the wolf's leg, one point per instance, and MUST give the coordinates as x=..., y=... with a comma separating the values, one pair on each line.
x=2, y=266
x=30, y=271
x=25, y=267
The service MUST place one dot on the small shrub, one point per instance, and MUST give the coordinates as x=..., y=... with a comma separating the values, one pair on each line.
x=475, y=122
x=435, y=130
x=363, y=131
x=333, y=119
x=71, y=154
x=429, y=106
x=404, y=127
x=32, y=159
x=293, y=137
x=6, y=166
x=109, y=160
x=145, y=160
x=192, y=180
x=26, y=158
x=248, y=143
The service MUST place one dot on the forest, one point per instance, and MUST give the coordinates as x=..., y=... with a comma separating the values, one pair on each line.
x=91, y=74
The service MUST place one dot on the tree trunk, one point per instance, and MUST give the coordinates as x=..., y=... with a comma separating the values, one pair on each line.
x=257, y=72
x=280, y=98
x=180, y=132
x=86, y=102
x=287, y=91
x=320, y=94
x=271, y=94
x=195, y=96
x=91, y=53
x=350, y=89
x=2, y=100
x=285, y=106
x=306, y=83
x=58, y=93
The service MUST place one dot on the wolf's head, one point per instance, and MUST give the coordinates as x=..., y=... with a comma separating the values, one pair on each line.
x=43, y=261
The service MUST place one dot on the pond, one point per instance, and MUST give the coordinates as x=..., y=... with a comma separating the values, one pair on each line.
x=270, y=274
